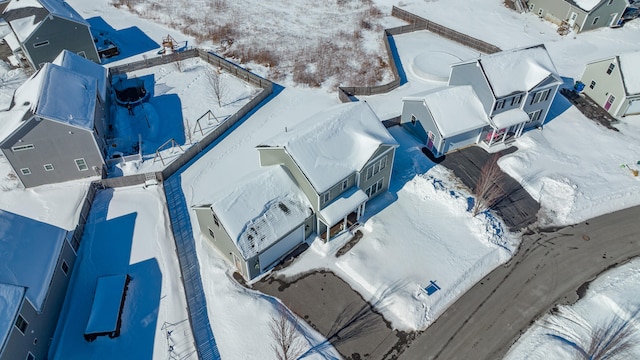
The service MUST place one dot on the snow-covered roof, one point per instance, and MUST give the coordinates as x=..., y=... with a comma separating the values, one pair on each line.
x=12, y=41
x=107, y=299
x=343, y=205
x=630, y=69
x=29, y=251
x=25, y=16
x=517, y=70
x=587, y=5
x=509, y=118
x=41, y=95
x=454, y=109
x=10, y=301
x=332, y=144
x=77, y=63
x=262, y=209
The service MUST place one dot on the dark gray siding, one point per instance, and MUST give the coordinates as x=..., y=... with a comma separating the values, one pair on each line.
x=543, y=106
x=338, y=189
x=61, y=34
x=56, y=144
x=471, y=74
x=42, y=325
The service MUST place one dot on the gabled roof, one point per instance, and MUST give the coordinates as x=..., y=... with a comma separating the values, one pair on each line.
x=630, y=69
x=260, y=210
x=334, y=143
x=517, y=70
x=10, y=301
x=586, y=5
x=25, y=16
x=29, y=252
x=55, y=93
x=455, y=109
x=77, y=63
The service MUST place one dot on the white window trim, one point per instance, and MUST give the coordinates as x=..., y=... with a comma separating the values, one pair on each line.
x=15, y=323
x=22, y=147
x=62, y=266
x=25, y=171
x=78, y=165
x=595, y=20
x=41, y=44
x=48, y=167
x=535, y=115
x=345, y=183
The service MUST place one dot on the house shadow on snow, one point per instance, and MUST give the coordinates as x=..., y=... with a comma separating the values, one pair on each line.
x=105, y=250
x=130, y=41
x=560, y=104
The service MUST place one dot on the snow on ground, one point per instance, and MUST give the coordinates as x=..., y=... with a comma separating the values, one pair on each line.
x=612, y=294
x=181, y=93
x=128, y=232
x=423, y=231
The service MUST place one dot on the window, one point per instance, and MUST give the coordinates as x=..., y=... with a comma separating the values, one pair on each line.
x=611, y=99
x=531, y=6
x=48, y=167
x=345, y=183
x=369, y=173
x=535, y=116
x=22, y=147
x=516, y=100
x=540, y=96
x=81, y=164
x=611, y=67
x=610, y=2
x=592, y=85
x=25, y=171
x=30, y=356
x=215, y=220
x=595, y=20
x=325, y=197
x=41, y=43
x=21, y=324
x=540, y=12
x=373, y=189
x=413, y=119
x=83, y=54
x=499, y=104
x=65, y=267
x=213, y=236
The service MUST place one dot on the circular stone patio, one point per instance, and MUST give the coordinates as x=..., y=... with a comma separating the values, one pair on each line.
x=433, y=65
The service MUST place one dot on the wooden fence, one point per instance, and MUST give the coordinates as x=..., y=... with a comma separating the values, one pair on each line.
x=196, y=148
x=416, y=23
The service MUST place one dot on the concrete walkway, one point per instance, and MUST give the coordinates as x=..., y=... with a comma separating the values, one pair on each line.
x=550, y=268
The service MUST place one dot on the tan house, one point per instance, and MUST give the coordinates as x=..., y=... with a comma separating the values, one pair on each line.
x=614, y=83
x=314, y=178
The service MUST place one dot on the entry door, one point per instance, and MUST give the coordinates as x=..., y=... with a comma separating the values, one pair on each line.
x=572, y=19
x=610, y=101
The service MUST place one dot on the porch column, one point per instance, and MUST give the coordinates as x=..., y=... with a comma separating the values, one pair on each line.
x=364, y=204
x=344, y=223
x=328, y=233
x=493, y=133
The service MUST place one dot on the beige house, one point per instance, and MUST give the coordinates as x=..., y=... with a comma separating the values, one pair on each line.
x=314, y=178
x=614, y=83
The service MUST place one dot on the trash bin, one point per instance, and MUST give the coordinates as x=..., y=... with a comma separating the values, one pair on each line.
x=579, y=86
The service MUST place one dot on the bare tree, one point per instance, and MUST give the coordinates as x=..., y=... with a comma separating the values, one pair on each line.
x=614, y=338
x=489, y=187
x=288, y=343
x=218, y=86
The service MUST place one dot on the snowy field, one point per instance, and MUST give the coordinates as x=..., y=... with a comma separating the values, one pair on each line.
x=572, y=168
x=128, y=232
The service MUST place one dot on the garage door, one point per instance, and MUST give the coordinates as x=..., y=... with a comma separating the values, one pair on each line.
x=634, y=108
x=281, y=248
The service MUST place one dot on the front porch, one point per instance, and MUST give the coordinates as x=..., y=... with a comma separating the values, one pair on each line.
x=336, y=229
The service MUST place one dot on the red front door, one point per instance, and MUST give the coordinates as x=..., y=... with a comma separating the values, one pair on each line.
x=610, y=101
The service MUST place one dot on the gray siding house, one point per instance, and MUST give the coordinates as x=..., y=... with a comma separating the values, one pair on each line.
x=316, y=178
x=36, y=260
x=490, y=101
x=53, y=131
x=580, y=15
x=41, y=29
x=614, y=84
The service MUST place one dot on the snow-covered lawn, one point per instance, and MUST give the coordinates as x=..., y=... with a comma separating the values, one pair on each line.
x=612, y=294
x=182, y=94
x=422, y=231
x=128, y=233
